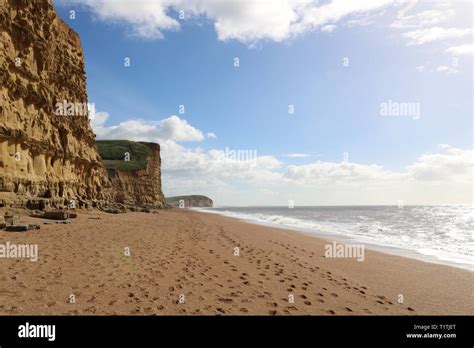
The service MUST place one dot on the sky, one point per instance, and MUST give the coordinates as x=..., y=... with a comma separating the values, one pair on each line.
x=260, y=102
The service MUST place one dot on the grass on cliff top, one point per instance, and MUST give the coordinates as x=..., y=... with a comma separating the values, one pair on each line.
x=113, y=154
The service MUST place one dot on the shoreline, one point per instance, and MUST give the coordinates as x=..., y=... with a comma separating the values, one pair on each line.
x=386, y=249
x=183, y=254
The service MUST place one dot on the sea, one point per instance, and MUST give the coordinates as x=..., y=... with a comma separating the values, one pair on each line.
x=440, y=234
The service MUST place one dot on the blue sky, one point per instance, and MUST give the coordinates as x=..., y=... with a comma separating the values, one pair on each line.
x=422, y=56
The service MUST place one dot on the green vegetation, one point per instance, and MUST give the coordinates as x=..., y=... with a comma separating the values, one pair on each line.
x=113, y=154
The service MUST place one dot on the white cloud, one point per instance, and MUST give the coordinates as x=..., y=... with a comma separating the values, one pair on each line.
x=430, y=17
x=185, y=164
x=448, y=70
x=461, y=49
x=245, y=21
x=97, y=119
x=296, y=155
x=364, y=19
x=172, y=128
x=145, y=18
x=441, y=177
x=425, y=27
x=313, y=17
x=328, y=28
x=451, y=164
x=250, y=21
x=211, y=136
x=329, y=172
x=337, y=9
x=176, y=129
x=423, y=36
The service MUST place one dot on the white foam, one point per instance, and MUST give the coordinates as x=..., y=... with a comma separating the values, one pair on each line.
x=374, y=235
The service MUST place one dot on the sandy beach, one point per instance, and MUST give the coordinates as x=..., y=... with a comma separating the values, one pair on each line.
x=181, y=262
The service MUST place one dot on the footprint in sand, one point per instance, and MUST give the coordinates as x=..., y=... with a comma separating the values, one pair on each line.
x=225, y=300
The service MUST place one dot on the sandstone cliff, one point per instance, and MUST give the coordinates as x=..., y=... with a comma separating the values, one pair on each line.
x=134, y=169
x=44, y=154
x=190, y=201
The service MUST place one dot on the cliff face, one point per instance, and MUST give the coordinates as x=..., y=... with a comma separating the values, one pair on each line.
x=190, y=201
x=44, y=153
x=47, y=147
x=135, y=172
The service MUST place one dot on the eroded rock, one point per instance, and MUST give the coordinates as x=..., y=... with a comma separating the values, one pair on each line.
x=17, y=228
x=56, y=215
x=44, y=154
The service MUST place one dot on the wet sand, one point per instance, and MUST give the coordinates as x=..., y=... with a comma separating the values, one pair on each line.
x=184, y=263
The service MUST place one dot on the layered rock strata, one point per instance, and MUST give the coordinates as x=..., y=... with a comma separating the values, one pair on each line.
x=134, y=171
x=44, y=153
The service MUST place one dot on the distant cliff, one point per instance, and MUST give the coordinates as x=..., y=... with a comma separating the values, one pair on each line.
x=190, y=201
x=134, y=169
x=45, y=151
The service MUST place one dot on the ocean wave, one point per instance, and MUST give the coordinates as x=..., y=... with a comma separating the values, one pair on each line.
x=448, y=244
